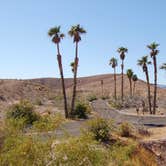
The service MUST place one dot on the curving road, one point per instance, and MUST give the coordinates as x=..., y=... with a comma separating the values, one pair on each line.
x=103, y=110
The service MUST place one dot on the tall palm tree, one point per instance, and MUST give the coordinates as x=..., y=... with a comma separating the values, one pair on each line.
x=114, y=63
x=153, y=54
x=130, y=75
x=75, y=32
x=163, y=66
x=135, y=79
x=143, y=62
x=56, y=36
x=122, y=51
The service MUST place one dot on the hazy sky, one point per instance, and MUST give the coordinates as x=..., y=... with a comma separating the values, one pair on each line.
x=27, y=52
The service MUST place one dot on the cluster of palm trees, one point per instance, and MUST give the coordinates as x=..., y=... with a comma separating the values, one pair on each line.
x=131, y=76
x=75, y=32
x=143, y=62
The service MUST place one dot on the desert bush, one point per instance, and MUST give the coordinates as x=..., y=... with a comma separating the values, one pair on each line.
x=100, y=129
x=122, y=154
x=81, y=110
x=38, y=102
x=92, y=98
x=143, y=131
x=117, y=104
x=24, y=110
x=22, y=150
x=125, y=129
x=48, y=122
x=105, y=97
x=81, y=151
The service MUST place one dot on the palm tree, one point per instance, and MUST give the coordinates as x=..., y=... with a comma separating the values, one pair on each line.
x=122, y=52
x=75, y=32
x=153, y=54
x=114, y=64
x=135, y=79
x=163, y=66
x=130, y=75
x=56, y=36
x=143, y=62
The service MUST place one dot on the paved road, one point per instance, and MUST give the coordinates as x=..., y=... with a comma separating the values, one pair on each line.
x=103, y=110
x=73, y=128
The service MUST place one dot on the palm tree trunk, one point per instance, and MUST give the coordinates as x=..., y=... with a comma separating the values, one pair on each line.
x=122, y=67
x=155, y=84
x=75, y=79
x=115, y=83
x=130, y=87
x=148, y=85
x=134, y=88
x=59, y=58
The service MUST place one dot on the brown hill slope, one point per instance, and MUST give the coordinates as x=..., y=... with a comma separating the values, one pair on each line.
x=11, y=90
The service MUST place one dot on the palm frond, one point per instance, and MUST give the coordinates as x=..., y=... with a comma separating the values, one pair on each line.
x=153, y=46
x=113, y=62
x=135, y=78
x=53, y=31
x=163, y=66
x=76, y=32
x=129, y=73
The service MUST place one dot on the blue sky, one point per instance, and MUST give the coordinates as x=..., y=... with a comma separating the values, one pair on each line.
x=27, y=52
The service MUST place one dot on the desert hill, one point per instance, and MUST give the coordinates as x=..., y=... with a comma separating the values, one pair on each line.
x=13, y=89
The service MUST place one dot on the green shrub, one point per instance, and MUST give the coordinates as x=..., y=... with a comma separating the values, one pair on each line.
x=125, y=129
x=22, y=150
x=81, y=151
x=122, y=154
x=81, y=111
x=92, y=98
x=48, y=122
x=24, y=110
x=105, y=97
x=100, y=129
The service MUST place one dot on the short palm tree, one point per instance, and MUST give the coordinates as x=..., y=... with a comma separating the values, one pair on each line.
x=163, y=66
x=122, y=51
x=114, y=63
x=56, y=36
x=135, y=79
x=130, y=75
x=153, y=53
x=75, y=32
x=143, y=62
x=72, y=66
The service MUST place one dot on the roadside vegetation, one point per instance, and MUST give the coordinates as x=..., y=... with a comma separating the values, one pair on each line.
x=100, y=145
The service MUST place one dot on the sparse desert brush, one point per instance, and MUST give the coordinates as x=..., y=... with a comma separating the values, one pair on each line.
x=38, y=102
x=23, y=110
x=125, y=129
x=117, y=104
x=121, y=154
x=81, y=110
x=100, y=129
x=130, y=154
x=91, y=98
x=143, y=131
x=22, y=150
x=83, y=151
x=48, y=123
